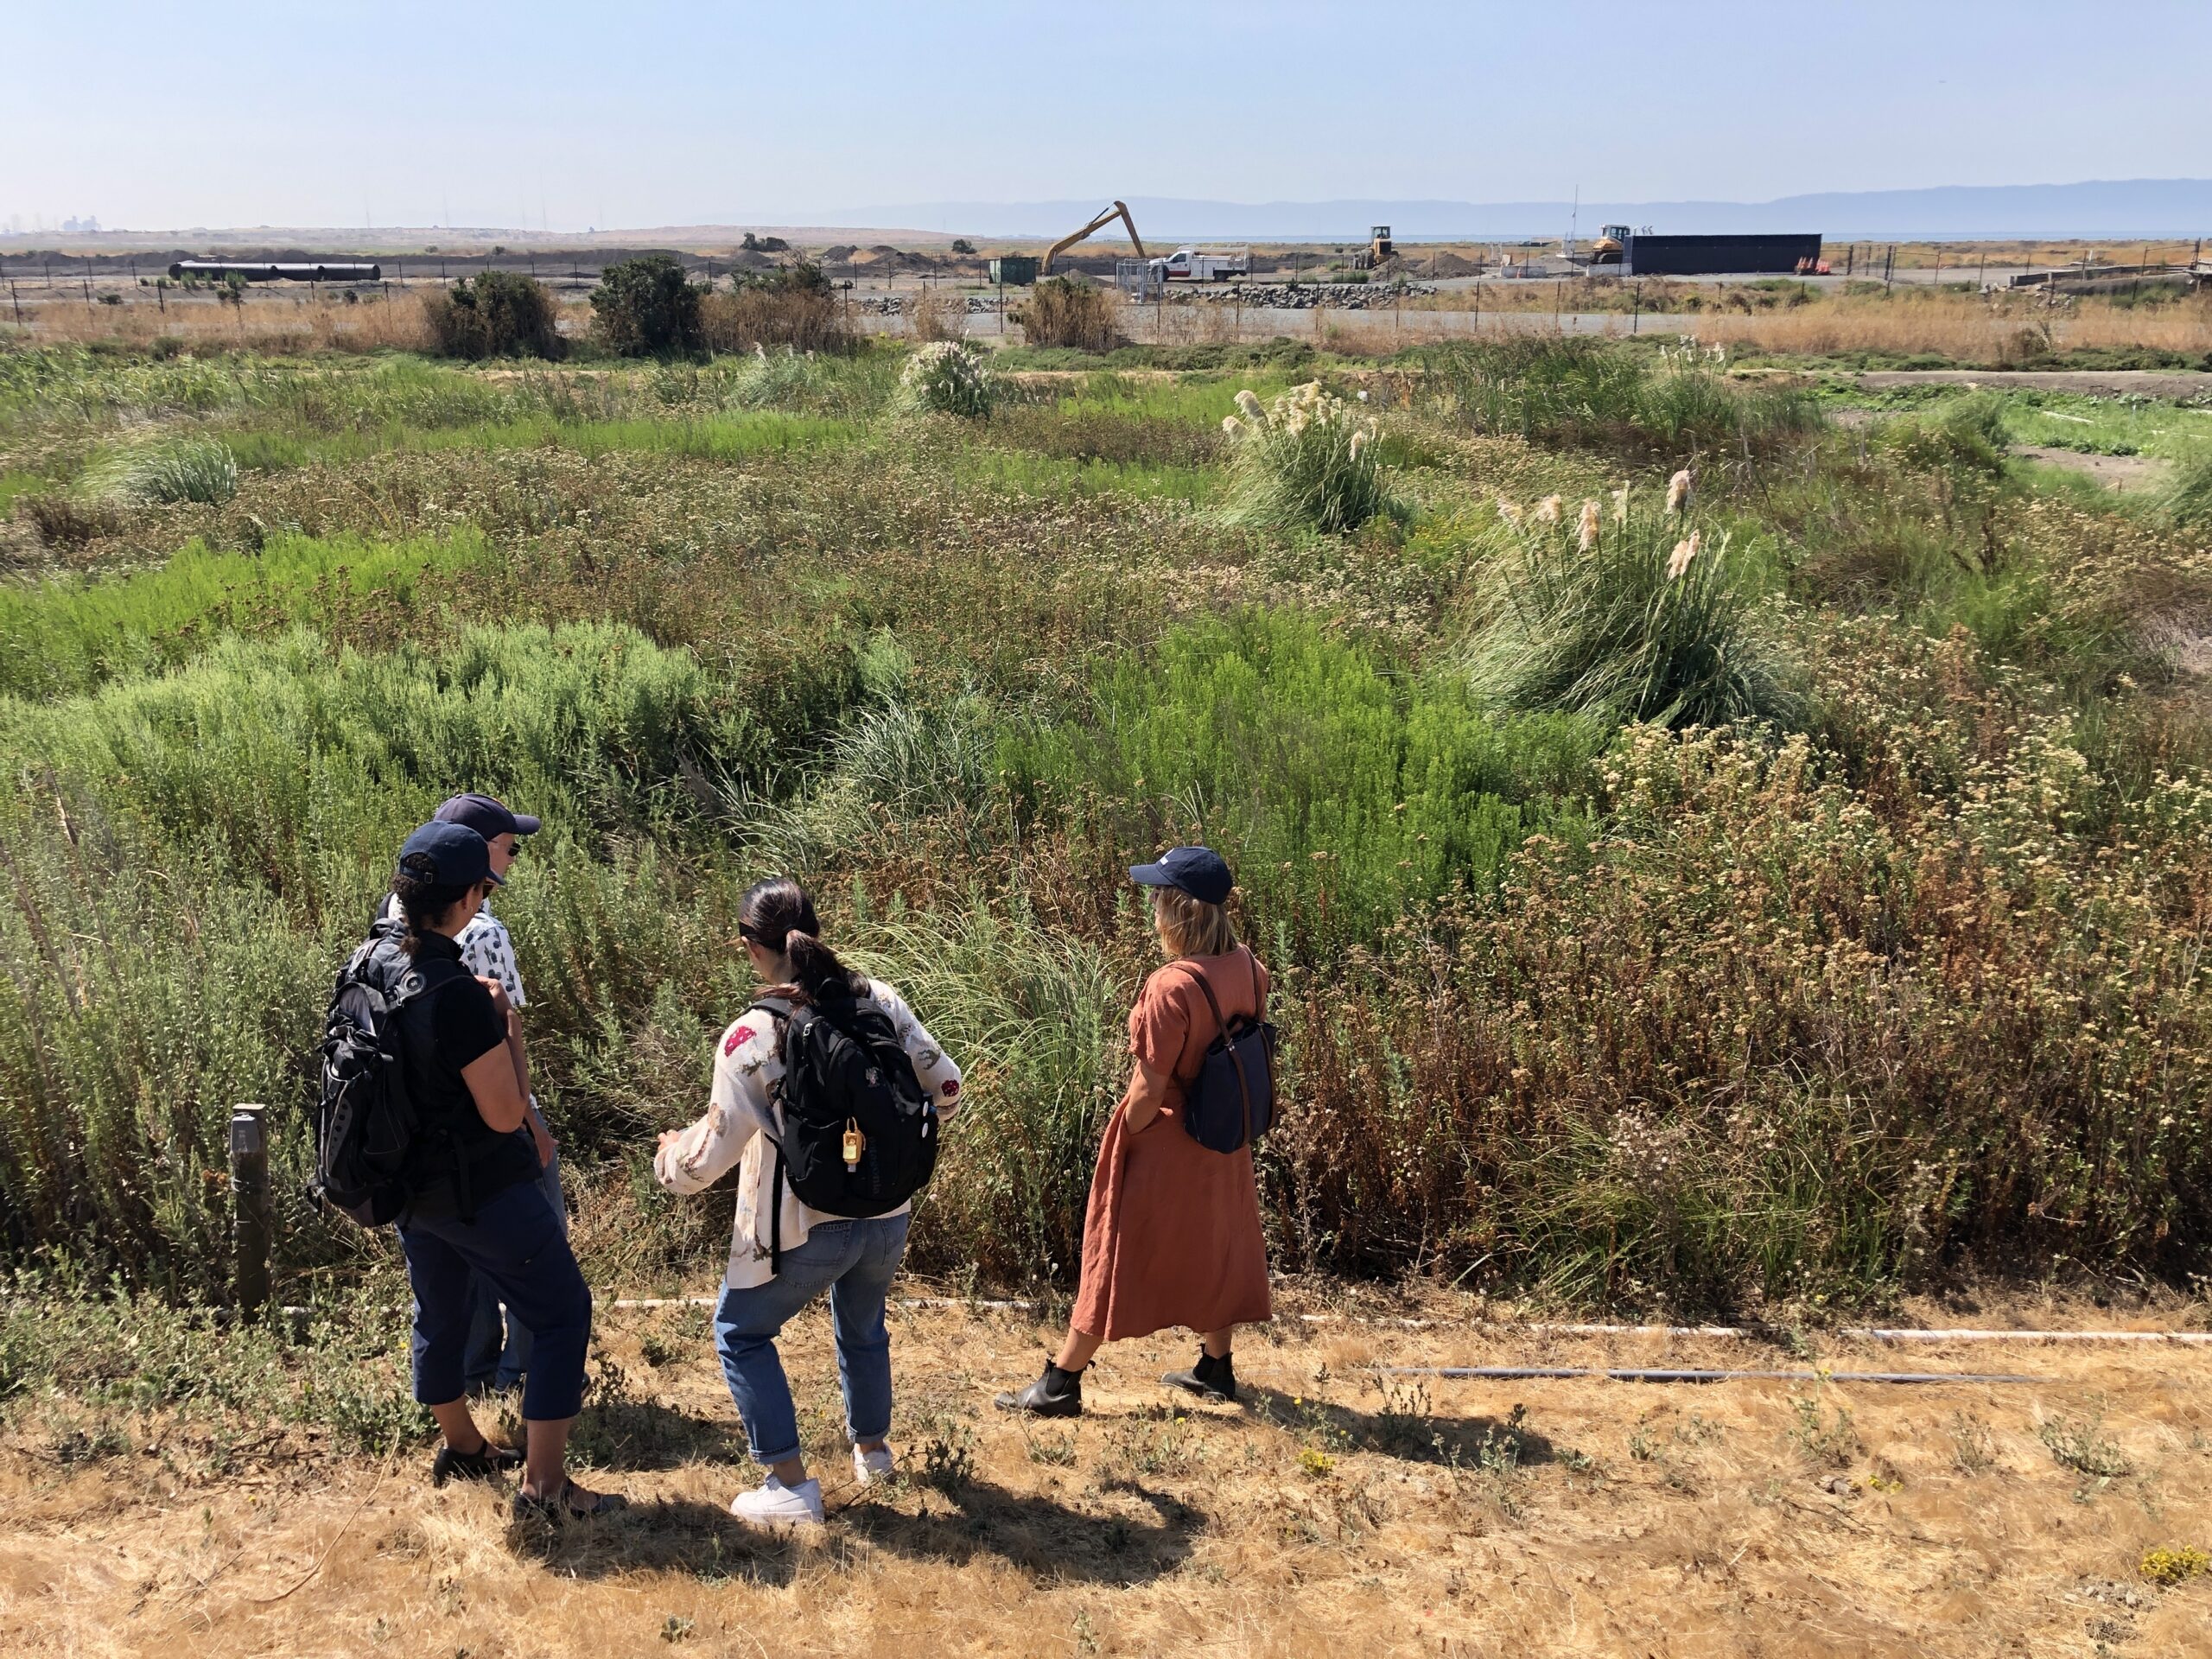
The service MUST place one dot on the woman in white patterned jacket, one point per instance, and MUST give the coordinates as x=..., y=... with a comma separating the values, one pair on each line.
x=852, y=1259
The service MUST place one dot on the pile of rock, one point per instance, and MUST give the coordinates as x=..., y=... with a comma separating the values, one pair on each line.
x=900, y=305
x=1306, y=296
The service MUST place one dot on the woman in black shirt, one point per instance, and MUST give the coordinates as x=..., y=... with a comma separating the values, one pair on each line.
x=476, y=1203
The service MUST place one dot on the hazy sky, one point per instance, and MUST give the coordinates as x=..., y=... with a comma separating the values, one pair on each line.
x=624, y=113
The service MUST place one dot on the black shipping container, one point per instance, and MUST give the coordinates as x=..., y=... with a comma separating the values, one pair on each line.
x=1713, y=256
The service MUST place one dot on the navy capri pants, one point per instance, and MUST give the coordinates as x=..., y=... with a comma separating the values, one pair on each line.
x=518, y=1244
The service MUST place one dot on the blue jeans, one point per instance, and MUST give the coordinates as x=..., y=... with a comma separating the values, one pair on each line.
x=854, y=1261
x=499, y=1349
x=519, y=1244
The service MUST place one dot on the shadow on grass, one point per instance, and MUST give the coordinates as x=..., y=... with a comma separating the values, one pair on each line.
x=640, y=1434
x=668, y=1535
x=967, y=1519
x=1405, y=1428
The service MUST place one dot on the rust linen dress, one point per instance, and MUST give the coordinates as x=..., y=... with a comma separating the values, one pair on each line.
x=1172, y=1233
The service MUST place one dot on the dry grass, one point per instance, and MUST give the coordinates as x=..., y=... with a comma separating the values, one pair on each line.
x=277, y=321
x=940, y=314
x=1335, y=1514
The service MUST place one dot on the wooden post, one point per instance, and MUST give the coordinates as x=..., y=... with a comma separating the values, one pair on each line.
x=15, y=301
x=251, y=1215
x=1636, y=318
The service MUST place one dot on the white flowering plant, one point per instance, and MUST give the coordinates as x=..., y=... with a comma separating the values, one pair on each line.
x=1309, y=460
x=1631, y=615
x=947, y=377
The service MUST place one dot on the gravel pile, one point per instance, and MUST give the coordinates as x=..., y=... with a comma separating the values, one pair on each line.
x=1306, y=296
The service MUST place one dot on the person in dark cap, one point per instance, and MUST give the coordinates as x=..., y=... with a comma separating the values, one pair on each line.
x=1172, y=1233
x=475, y=1207
x=498, y=1342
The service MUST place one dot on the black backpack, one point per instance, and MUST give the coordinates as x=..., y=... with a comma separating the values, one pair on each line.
x=367, y=1129
x=1232, y=1101
x=859, y=1132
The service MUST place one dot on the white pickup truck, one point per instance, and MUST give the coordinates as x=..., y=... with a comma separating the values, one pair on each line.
x=1189, y=266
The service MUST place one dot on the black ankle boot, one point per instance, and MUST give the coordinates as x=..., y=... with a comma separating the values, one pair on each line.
x=1056, y=1394
x=1214, y=1378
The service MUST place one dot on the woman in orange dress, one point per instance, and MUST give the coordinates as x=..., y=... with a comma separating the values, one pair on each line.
x=1172, y=1233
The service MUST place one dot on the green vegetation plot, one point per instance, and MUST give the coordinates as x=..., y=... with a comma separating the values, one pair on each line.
x=1338, y=785
x=67, y=636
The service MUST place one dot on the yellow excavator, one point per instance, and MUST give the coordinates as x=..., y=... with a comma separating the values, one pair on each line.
x=1120, y=210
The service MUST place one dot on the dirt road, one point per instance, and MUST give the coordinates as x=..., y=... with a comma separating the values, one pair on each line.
x=2173, y=386
x=1337, y=1512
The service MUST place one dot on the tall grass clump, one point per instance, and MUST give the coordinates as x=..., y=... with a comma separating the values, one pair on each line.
x=1307, y=463
x=495, y=314
x=1634, y=616
x=1035, y=1016
x=161, y=471
x=947, y=378
x=1342, y=788
x=1562, y=389
x=1073, y=315
x=2188, y=499
x=793, y=307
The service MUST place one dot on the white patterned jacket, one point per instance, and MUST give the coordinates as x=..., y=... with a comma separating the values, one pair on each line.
x=741, y=1117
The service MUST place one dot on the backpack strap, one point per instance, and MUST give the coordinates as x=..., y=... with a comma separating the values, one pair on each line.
x=780, y=1009
x=1221, y=1036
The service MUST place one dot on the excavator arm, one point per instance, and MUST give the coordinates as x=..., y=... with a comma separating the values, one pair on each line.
x=1120, y=210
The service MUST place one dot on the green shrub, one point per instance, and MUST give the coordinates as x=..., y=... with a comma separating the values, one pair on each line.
x=1341, y=788
x=497, y=314
x=1310, y=462
x=68, y=637
x=1637, y=618
x=648, y=308
x=1063, y=312
x=947, y=378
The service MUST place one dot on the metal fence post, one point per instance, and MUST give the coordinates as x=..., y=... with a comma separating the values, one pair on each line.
x=251, y=1219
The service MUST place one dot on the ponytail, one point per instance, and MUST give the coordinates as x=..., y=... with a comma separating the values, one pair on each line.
x=423, y=900
x=819, y=975
x=779, y=914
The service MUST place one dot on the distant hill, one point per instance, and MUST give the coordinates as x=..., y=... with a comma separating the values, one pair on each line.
x=2118, y=208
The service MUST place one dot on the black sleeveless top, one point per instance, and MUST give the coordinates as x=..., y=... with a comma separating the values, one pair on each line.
x=463, y=1161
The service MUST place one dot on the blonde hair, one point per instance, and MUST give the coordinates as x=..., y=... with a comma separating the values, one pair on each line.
x=1192, y=927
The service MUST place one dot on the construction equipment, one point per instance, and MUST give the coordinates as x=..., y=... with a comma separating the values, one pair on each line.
x=1378, y=252
x=1120, y=210
x=1611, y=244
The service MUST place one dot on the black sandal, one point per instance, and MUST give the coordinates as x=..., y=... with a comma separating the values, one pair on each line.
x=559, y=1510
x=487, y=1462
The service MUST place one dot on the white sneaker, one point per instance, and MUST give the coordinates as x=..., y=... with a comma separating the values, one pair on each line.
x=868, y=1467
x=772, y=1504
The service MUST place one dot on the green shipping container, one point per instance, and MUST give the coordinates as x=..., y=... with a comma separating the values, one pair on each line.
x=1015, y=270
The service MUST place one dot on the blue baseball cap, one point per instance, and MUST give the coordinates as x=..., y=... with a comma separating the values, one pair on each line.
x=459, y=856
x=487, y=817
x=1198, y=871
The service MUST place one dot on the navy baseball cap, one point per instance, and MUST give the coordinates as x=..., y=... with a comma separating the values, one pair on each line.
x=1198, y=871
x=487, y=817
x=459, y=856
